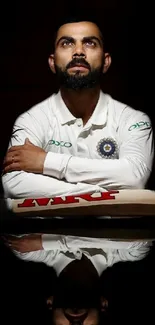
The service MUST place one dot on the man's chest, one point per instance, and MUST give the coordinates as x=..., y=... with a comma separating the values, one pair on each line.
x=95, y=142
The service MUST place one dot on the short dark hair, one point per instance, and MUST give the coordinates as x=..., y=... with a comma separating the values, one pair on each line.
x=79, y=17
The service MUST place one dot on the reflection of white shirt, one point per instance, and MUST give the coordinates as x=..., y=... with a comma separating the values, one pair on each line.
x=60, y=250
x=114, y=150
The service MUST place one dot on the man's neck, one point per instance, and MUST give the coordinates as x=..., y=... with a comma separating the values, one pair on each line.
x=81, y=103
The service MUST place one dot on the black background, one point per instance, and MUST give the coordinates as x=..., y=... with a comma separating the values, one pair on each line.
x=26, y=34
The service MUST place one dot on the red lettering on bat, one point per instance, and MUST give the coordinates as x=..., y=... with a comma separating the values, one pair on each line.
x=31, y=202
x=86, y=197
x=104, y=196
x=27, y=203
x=68, y=199
x=44, y=201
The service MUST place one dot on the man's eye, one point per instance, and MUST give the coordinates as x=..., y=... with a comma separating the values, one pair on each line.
x=66, y=43
x=90, y=43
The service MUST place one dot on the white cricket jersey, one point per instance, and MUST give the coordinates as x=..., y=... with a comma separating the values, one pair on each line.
x=114, y=150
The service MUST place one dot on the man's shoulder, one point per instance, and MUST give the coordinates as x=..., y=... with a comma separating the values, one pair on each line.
x=39, y=110
x=43, y=105
x=120, y=106
x=124, y=110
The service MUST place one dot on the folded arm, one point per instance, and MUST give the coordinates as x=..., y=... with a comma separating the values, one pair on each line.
x=23, y=166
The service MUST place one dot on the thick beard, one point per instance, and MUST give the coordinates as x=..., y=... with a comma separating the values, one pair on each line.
x=78, y=81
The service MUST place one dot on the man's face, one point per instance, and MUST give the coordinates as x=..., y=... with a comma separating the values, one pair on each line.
x=79, y=57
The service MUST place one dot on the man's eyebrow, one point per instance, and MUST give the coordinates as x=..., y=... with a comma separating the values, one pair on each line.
x=89, y=38
x=67, y=38
x=86, y=38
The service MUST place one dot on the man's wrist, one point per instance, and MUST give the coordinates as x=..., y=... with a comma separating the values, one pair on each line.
x=55, y=164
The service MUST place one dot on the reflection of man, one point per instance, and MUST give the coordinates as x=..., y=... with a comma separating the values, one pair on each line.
x=78, y=141
x=78, y=298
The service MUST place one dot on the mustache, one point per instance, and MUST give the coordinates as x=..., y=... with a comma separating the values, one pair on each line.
x=76, y=61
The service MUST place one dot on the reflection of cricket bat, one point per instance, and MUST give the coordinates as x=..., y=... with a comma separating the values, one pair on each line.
x=111, y=203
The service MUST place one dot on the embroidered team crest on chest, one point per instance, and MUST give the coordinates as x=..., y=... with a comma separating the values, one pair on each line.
x=107, y=148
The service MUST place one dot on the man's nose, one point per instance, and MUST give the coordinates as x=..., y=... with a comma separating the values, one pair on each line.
x=79, y=50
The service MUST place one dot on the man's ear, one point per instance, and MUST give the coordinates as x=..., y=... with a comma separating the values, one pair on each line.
x=107, y=62
x=51, y=63
x=49, y=302
x=104, y=304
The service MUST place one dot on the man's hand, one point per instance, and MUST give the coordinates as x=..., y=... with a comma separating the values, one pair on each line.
x=27, y=157
x=25, y=244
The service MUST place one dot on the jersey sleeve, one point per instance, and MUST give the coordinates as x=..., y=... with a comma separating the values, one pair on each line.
x=25, y=185
x=136, y=252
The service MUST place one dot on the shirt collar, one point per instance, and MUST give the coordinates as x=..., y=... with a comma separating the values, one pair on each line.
x=65, y=115
x=98, y=117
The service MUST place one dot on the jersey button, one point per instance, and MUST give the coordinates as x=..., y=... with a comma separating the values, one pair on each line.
x=78, y=255
x=79, y=122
